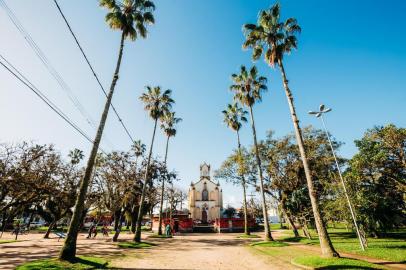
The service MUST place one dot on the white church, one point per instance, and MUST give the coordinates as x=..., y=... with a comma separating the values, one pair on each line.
x=205, y=197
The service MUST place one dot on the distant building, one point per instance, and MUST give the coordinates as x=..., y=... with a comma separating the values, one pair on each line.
x=205, y=198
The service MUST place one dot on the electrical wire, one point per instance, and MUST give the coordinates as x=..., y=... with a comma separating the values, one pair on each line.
x=92, y=69
x=18, y=75
x=55, y=74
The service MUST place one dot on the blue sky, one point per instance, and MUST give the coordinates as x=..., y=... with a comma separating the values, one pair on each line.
x=351, y=57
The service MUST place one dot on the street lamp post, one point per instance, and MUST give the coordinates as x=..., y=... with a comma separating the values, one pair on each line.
x=319, y=114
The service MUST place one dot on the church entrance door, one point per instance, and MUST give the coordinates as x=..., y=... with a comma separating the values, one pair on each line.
x=204, y=216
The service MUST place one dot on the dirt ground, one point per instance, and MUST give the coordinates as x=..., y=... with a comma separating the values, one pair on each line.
x=189, y=251
x=192, y=251
x=200, y=251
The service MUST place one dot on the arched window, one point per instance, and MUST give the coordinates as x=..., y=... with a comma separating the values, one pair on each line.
x=205, y=195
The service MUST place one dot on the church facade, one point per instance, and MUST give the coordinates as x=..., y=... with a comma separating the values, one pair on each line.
x=205, y=197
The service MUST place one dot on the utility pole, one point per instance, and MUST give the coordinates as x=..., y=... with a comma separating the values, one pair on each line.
x=319, y=114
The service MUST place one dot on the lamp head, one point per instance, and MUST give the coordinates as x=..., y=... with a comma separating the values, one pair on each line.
x=322, y=107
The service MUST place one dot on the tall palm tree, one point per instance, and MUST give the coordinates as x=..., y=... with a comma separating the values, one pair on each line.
x=234, y=116
x=168, y=125
x=248, y=87
x=157, y=103
x=139, y=149
x=76, y=155
x=130, y=17
x=277, y=38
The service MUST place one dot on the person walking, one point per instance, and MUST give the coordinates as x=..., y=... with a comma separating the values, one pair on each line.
x=168, y=229
x=90, y=231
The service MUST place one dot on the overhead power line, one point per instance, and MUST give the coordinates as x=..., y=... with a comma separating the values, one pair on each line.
x=92, y=69
x=18, y=75
x=55, y=74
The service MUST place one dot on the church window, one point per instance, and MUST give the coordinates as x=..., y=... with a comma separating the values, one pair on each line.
x=205, y=195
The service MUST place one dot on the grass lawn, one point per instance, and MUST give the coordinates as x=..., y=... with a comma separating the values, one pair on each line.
x=81, y=263
x=333, y=263
x=392, y=248
x=45, y=228
x=135, y=245
x=40, y=229
x=269, y=244
x=8, y=241
x=277, y=226
x=286, y=253
x=248, y=236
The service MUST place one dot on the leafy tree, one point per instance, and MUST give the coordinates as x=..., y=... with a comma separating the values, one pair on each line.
x=168, y=125
x=288, y=185
x=157, y=103
x=248, y=87
x=377, y=179
x=60, y=198
x=278, y=38
x=117, y=174
x=130, y=17
x=229, y=212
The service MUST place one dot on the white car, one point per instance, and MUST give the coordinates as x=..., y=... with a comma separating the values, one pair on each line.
x=37, y=224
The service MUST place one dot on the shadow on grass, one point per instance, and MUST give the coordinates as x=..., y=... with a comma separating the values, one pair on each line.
x=90, y=262
x=269, y=244
x=136, y=245
x=343, y=267
x=318, y=262
x=80, y=262
x=297, y=240
x=163, y=236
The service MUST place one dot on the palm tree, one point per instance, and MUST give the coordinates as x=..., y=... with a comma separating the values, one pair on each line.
x=139, y=149
x=130, y=17
x=234, y=116
x=76, y=155
x=277, y=38
x=168, y=125
x=157, y=103
x=248, y=87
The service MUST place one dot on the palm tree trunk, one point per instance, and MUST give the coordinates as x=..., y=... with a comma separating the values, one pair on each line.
x=137, y=237
x=326, y=246
x=161, y=203
x=268, y=236
x=171, y=206
x=246, y=229
x=68, y=251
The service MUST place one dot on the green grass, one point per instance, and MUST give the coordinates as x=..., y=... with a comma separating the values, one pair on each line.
x=248, y=236
x=160, y=236
x=8, y=241
x=333, y=263
x=81, y=263
x=135, y=245
x=41, y=229
x=298, y=255
x=392, y=248
x=45, y=228
x=277, y=226
x=269, y=244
